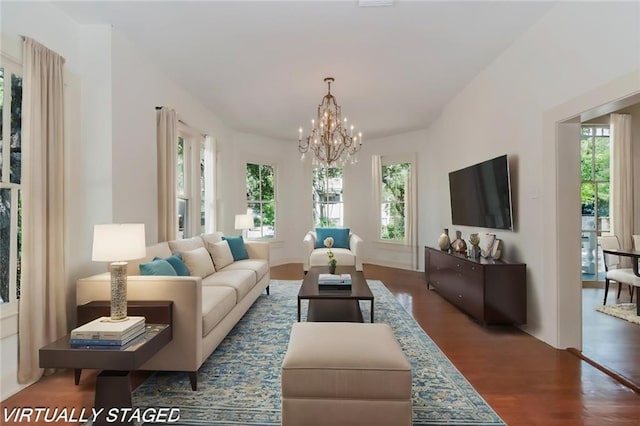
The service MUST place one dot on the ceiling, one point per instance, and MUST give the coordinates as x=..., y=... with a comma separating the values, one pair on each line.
x=260, y=65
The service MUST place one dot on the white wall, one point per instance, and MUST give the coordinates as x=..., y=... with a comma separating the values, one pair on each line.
x=502, y=111
x=138, y=87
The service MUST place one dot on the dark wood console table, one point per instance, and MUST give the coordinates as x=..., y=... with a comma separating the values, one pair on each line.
x=491, y=291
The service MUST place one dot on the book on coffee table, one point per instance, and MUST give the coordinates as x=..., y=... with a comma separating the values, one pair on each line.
x=334, y=279
x=334, y=282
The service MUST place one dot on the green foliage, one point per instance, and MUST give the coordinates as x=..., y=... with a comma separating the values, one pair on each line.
x=595, y=161
x=261, y=194
x=394, y=186
x=325, y=195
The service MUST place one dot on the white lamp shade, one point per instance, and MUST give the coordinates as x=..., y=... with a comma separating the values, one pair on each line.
x=244, y=221
x=118, y=242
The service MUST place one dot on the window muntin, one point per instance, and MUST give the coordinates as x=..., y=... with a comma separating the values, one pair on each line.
x=328, y=203
x=393, y=201
x=261, y=200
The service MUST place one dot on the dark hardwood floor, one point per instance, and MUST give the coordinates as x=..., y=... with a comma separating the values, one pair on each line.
x=609, y=341
x=526, y=381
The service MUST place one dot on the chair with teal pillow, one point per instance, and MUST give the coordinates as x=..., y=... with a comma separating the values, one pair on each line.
x=346, y=248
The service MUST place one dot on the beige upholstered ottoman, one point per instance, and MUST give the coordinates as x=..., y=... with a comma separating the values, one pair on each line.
x=345, y=374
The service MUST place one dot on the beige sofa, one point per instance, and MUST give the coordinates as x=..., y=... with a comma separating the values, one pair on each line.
x=205, y=308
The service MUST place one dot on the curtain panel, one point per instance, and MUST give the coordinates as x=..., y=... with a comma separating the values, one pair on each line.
x=42, y=307
x=622, y=181
x=167, y=137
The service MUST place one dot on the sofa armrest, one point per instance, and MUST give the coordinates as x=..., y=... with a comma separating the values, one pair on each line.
x=355, y=245
x=309, y=242
x=184, y=352
x=257, y=249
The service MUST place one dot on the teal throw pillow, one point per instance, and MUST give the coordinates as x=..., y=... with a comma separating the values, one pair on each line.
x=157, y=267
x=340, y=237
x=238, y=250
x=175, y=260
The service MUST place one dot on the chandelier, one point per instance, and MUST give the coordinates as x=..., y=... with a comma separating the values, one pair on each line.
x=330, y=140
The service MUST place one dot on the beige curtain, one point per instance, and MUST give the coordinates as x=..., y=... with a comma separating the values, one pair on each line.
x=167, y=137
x=410, y=213
x=41, y=309
x=621, y=180
x=209, y=184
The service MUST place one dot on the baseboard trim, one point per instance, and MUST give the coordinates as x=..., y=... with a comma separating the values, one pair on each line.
x=611, y=373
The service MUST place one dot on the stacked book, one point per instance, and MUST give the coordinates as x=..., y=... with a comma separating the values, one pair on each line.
x=103, y=333
x=334, y=282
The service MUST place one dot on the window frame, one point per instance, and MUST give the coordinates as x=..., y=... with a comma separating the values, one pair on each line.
x=248, y=202
x=9, y=310
x=387, y=160
x=341, y=201
x=193, y=148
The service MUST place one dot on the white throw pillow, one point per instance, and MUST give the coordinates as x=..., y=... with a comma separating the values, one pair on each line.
x=221, y=254
x=198, y=262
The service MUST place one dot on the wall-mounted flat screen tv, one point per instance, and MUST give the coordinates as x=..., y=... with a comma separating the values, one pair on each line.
x=481, y=195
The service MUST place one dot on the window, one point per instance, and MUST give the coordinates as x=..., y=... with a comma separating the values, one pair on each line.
x=328, y=205
x=261, y=201
x=10, y=183
x=190, y=183
x=393, y=205
x=595, y=175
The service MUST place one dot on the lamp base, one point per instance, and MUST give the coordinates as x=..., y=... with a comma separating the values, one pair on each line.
x=118, y=291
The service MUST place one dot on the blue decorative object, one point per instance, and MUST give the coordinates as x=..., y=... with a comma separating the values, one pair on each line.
x=157, y=267
x=175, y=260
x=239, y=384
x=238, y=250
x=340, y=237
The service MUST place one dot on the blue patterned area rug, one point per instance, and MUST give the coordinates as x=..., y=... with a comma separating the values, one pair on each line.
x=240, y=382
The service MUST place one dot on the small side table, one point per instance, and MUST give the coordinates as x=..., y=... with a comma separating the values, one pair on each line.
x=113, y=385
x=154, y=312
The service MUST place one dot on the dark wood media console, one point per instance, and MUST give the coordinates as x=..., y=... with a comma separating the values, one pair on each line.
x=491, y=291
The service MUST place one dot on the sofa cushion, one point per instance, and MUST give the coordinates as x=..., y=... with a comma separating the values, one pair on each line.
x=259, y=266
x=216, y=237
x=241, y=280
x=220, y=253
x=175, y=260
x=198, y=262
x=180, y=246
x=217, y=302
x=238, y=250
x=340, y=237
x=157, y=267
x=344, y=257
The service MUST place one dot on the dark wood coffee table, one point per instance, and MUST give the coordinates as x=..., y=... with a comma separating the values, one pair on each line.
x=334, y=305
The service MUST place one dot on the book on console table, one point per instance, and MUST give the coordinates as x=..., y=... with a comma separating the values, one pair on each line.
x=104, y=329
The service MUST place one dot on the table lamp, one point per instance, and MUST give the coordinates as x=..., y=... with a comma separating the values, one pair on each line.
x=244, y=222
x=118, y=243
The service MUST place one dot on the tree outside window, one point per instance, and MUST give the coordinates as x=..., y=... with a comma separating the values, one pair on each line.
x=393, y=201
x=261, y=201
x=328, y=204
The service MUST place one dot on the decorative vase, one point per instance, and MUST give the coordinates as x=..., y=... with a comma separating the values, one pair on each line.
x=332, y=269
x=443, y=240
x=474, y=251
x=459, y=245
